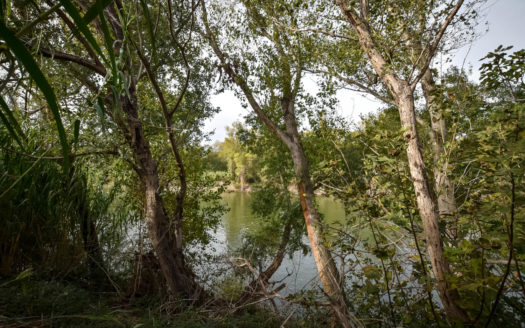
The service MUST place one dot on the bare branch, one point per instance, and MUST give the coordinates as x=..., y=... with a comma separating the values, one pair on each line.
x=361, y=86
x=433, y=48
x=53, y=54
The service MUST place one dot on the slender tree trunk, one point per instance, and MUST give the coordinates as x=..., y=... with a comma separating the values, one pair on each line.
x=444, y=187
x=178, y=278
x=404, y=99
x=427, y=210
x=179, y=206
x=328, y=272
x=262, y=280
x=279, y=256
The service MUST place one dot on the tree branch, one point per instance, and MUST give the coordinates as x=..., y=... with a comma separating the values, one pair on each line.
x=361, y=86
x=432, y=49
x=75, y=32
x=53, y=54
x=240, y=81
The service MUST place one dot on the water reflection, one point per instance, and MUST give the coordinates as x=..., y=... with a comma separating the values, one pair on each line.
x=239, y=219
x=300, y=269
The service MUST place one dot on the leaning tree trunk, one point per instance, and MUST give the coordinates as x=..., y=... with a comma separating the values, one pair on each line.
x=404, y=99
x=332, y=283
x=328, y=272
x=444, y=187
x=427, y=211
x=251, y=292
x=178, y=278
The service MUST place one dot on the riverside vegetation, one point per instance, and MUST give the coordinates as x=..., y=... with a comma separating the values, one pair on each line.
x=110, y=198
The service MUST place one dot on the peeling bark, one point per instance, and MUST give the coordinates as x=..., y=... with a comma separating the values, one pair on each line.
x=426, y=207
x=402, y=93
x=444, y=187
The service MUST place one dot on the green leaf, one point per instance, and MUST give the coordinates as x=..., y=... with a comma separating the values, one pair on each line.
x=94, y=10
x=21, y=53
x=82, y=27
x=109, y=42
x=27, y=273
x=99, y=106
x=145, y=9
x=11, y=123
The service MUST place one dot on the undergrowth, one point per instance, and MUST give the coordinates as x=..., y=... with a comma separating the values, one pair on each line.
x=32, y=302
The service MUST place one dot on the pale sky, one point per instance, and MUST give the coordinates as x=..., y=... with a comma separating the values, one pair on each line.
x=506, y=19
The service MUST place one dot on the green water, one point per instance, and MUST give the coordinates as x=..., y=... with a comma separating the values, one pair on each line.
x=299, y=270
x=239, y=218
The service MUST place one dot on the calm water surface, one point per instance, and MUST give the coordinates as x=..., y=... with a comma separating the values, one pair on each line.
x=239, y=220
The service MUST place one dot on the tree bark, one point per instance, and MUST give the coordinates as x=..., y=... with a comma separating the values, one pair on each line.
x=402, y=93
x=328, y=272
x=444, y=187
x=426, y=207
x=178, y=277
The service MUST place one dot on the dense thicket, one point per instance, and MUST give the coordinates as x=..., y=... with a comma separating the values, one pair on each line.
x=110, y=196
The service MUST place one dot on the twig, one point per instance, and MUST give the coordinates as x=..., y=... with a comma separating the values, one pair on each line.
x=510, y=231
x=288, y=318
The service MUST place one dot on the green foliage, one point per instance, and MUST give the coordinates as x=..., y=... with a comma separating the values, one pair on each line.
x=63, y=304
x=55, y=224
x=275, y=208
x=53, y=303
x=20, y=52
x=242, y=165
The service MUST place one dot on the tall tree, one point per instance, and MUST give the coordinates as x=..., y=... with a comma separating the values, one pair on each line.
x=399, y=79
x=112, y=61
x=270, y=81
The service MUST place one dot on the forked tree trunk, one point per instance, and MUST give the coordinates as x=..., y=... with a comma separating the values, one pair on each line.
x=167, y=243
x=404, y=99
x=427, y=211
x=444, y=187
x=179, y=279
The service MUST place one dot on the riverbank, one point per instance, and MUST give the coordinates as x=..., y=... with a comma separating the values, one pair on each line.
x=235, y=187
x=35, y=302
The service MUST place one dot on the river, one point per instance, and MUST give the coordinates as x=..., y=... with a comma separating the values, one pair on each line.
x=239, y=220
